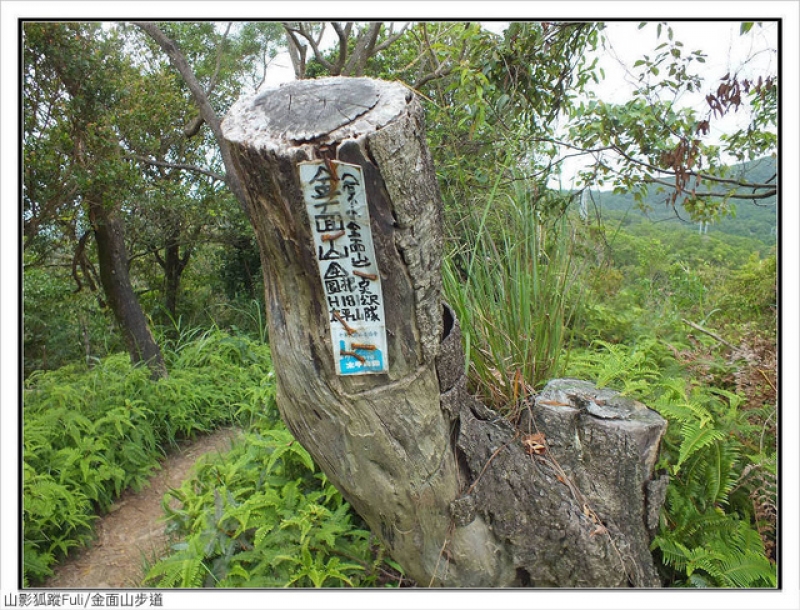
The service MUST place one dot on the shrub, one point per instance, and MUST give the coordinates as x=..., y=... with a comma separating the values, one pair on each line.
x=262, y=515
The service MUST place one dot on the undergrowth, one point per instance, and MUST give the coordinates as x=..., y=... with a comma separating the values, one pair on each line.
x=511, y=291
x=716, y=527
x=263, y=516
x=89, y=434
x=538, y=297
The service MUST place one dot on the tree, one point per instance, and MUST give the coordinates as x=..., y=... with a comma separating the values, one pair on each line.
x=519, y=87
x=187, y=199
x=653, y=142
x=201, y=98
x=73, y=110
x=356, y=46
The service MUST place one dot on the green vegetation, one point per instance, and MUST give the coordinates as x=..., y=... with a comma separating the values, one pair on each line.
x=683, y=322
x=511, y=292
x=263, y=515
x=720, y=463
x=757, y=221
x=686, y=324
x=678, y=314
x=90, y=434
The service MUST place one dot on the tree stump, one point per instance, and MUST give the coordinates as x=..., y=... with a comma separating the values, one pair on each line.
x=346, y=209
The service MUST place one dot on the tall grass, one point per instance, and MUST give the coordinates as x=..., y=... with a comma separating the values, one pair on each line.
x=510, y=289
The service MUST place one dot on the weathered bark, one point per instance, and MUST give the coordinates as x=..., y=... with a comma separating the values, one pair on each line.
x=173, y=266
x=113, y=262
x=570, y=490
x=446, y=483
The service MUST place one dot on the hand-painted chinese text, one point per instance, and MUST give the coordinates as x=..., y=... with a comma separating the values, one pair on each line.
x=336, y=203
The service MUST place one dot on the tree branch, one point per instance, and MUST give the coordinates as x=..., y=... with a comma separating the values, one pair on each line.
x=770, y=192
x=390, y=40
x=769, y=189
x=206, y=111
x=440, y=69
x=184, y=166
x=365, y=43
x=314, y=44
x=213, y=82
x=709, y=333
x=343, y=34
x=297, y=53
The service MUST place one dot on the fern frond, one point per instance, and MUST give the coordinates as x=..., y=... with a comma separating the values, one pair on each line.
x=720, y=477
x=695, y=437
x=674, y=554
x=748, y=570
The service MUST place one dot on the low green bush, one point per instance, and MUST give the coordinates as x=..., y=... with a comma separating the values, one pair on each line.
x=262, y=515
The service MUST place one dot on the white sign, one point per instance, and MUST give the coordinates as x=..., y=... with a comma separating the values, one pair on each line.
x=337, y=210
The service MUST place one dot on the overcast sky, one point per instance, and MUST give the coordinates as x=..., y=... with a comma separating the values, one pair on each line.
x=727, y=51
x=748, y=56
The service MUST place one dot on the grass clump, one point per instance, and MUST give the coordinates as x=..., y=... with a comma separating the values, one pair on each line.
x=510, y=288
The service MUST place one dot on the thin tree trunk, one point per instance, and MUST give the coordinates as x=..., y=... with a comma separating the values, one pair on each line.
x=174, y=263
x=110, y=236
x=113, y=262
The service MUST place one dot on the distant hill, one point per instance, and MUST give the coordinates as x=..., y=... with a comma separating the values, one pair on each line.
x=750, y=220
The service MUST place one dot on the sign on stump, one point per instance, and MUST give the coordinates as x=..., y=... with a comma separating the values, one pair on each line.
x=343, y=198
x=336, y=203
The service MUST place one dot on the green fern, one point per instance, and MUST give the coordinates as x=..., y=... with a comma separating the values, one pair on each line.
x=709, y=535
x=631, y=369
x=269, y=519
x=696, y=436
x=184, y=570
x=90, y=434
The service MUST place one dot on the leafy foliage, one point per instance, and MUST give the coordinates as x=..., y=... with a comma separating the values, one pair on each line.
x=712, y=380
x=755, y=221
x=262, y=515
x=266, y=517
x=654, y=139
x=708, y=535
x=90, y=434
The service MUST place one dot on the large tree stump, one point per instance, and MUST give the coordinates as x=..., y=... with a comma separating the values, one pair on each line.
x=449, y=486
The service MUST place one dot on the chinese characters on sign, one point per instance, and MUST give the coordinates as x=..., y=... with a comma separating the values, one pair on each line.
x=337, y=208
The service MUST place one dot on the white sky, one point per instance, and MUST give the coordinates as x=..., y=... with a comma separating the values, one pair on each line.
x=749, y=56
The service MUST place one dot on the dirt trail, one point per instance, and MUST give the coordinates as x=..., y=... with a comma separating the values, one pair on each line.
x=132, y=534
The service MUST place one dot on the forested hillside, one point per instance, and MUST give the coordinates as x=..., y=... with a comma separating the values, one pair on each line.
x=757, y=220
x=146, y=320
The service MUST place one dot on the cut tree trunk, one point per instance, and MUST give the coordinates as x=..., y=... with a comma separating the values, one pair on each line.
x=459, y=496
